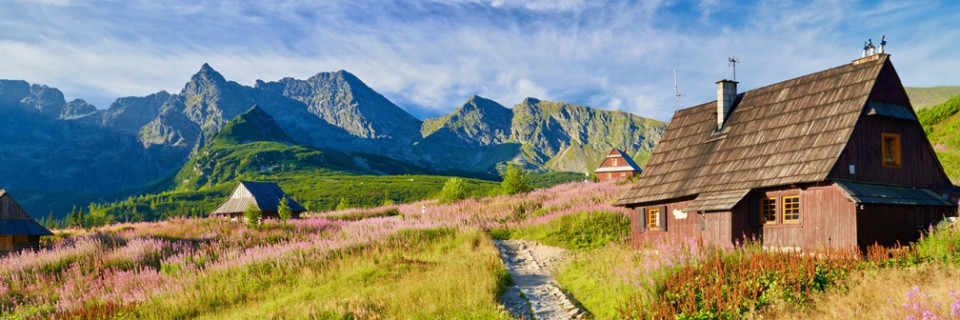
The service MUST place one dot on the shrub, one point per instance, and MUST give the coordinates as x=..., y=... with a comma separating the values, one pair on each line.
x=343, y=204
x=284, y=210
x=252, y=215
x=515, y=181
x=453, y=190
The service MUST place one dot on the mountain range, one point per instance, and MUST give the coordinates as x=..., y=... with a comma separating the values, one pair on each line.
x=156, y=142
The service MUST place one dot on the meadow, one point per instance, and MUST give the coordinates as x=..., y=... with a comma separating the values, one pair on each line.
x=432, y=260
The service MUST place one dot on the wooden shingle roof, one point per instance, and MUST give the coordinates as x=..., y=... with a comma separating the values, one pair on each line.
x=786, y=133
x=14, y=220
x=264, y=196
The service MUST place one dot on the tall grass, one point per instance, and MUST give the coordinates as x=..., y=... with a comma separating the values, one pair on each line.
x=582, y=230
x=446, y=273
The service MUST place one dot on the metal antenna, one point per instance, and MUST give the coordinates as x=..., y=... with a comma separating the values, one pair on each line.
x=676, y=90
x=733, y=61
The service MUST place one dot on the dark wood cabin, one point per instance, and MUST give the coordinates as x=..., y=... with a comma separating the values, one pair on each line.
x=617, y=166
x=264, y=196
x=17, y=229
x=833, y=159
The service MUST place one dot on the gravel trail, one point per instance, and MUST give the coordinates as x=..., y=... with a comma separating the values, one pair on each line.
x=534, y=294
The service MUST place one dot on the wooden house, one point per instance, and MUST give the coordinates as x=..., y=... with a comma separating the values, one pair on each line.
x=264, y=196
x=17, y=229
x=617, y=165
x=835, y=159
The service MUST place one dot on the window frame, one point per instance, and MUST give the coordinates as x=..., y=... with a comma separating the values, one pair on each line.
x=614, y=162
x=784, y=208
x=895, y=149
x=653, y=216
x=773, y=208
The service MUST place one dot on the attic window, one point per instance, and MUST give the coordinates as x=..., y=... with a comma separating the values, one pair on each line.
x=890, y=146
x=614, y=162
x=791, y=209
x=768, y=210
x=653, y=219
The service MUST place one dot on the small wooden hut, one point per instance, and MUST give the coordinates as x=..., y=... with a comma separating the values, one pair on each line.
x=17, y=229
x=264, y=196
x=617, y=165
x=835, y=159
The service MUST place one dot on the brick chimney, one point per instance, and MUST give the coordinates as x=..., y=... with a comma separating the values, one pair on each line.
x=726, y=97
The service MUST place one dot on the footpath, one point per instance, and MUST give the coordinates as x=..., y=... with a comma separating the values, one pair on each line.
x=534, y=293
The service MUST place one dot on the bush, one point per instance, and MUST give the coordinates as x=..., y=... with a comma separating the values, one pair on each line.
x=344, y=204
x=252, y=215
x=453, y=190
x=515, y=181
x=284, y=210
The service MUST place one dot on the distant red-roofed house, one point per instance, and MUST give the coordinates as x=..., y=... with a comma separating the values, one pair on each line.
x=617, y=165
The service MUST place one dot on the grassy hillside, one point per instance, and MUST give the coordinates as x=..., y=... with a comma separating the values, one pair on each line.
x=942, y=125
x=930, y=96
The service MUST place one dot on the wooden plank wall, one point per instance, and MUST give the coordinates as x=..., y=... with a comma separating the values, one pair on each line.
x=920, y=166
x=717, y=226
x=827, y=219
x=885, y=224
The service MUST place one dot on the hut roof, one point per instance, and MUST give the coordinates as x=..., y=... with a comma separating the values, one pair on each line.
x=264, y=195
x=630, y=165
x=786, y=133
x=13, y=220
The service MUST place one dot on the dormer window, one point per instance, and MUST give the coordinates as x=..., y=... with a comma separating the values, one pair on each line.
x=890, y=149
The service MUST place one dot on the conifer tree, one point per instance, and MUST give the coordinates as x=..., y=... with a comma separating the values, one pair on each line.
x=284, y=210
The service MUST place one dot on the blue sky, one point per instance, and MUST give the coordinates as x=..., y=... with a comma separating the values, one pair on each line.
x=430, y=56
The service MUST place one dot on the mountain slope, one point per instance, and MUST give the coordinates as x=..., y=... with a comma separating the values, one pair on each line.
x=541, y=135
x=942, y=125
x=342, y=100
x=253, y=146
x=332, y=122
x=925, y=97
x=48, y=143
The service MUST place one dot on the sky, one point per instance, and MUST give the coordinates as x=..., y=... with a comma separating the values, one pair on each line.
x=430, y=56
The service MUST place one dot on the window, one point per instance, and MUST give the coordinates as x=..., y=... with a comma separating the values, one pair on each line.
x=623, y=174
x=653, y=219
x=791, y=209
x=768, y=210
x=614, y=162
x=890, y=145
x=609, y=175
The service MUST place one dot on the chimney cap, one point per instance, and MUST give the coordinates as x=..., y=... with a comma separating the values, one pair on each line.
x=726, y=80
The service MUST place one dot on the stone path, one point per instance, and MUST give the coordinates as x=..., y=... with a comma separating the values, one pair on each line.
x=534, y=293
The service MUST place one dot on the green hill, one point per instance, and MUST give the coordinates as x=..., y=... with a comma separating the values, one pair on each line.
x=942, y=125
x=930, y=96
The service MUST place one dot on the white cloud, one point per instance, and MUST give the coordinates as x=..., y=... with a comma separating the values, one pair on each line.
x=430, y=56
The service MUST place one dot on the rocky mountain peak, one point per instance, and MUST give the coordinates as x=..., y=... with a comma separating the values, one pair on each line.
x=77, y=108
x=530, y=101
x=207, y=75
